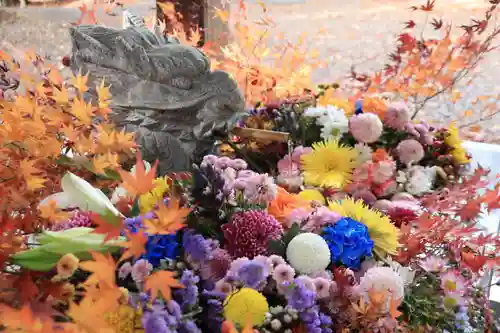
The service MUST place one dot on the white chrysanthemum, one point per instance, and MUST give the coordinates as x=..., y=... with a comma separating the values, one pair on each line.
x=383, y=279
x=406, y=273
x=365, y=152
x=308, y=253
x=332, y=120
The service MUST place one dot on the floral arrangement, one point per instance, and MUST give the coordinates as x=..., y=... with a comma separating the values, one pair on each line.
x=366, y=222
x=324, y=211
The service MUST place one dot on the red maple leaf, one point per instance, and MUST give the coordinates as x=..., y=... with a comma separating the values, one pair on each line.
x=470, y=211
x=429, y=6
x=437, y=24
x=28, y=290
x=473, y=261
x=410, y=24
x=408, y=42
x=110, y=226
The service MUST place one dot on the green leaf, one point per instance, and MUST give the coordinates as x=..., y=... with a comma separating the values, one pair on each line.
x=290, y=234
x=277, y=247
x=64, y=160
x=136, y=210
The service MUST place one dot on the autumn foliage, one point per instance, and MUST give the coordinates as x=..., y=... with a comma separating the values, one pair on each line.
x=47, y=129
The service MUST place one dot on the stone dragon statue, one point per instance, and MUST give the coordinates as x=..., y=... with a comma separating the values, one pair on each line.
x=162, y=90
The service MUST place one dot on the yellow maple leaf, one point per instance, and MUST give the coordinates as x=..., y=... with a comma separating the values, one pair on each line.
x=83, y=111
x=60, y=96
x=100, y=163
x=223, y=15
x=34, y=183
x=80, y=83
x=104, y=95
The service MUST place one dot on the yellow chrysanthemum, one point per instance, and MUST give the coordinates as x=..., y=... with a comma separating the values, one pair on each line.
x=330, y=164
x=313, y=195
x=125, y=320
x=148, y=201
x=383, y=233
x=453, y=140
x=244, y=303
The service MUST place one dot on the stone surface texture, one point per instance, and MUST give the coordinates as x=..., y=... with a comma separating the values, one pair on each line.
x=162, y=90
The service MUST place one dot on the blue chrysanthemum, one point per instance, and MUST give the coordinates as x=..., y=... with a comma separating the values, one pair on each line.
x=348, y=241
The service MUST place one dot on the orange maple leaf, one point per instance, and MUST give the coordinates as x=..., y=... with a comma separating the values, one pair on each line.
x=169, y=219
x=103, y=270
x=135, y=245
x=52, y=213
x=89, y=314
x=109, y=228
x=393, y=308
x=162, y=282
x=140, y=182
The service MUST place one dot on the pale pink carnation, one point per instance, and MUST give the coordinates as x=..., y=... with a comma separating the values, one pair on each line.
x=383, y=171
x=260, y=189
x=322, y=287
x=366, y=127
x=410, y=151
x=397, y=115
x=283, y=273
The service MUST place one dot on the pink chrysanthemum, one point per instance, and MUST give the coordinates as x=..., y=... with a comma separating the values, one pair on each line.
x=217, y=267
x=410, y=151
x=79, y=219
x=248, y=234
x=366, y=127
x=260, y=189
x=397, y=115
